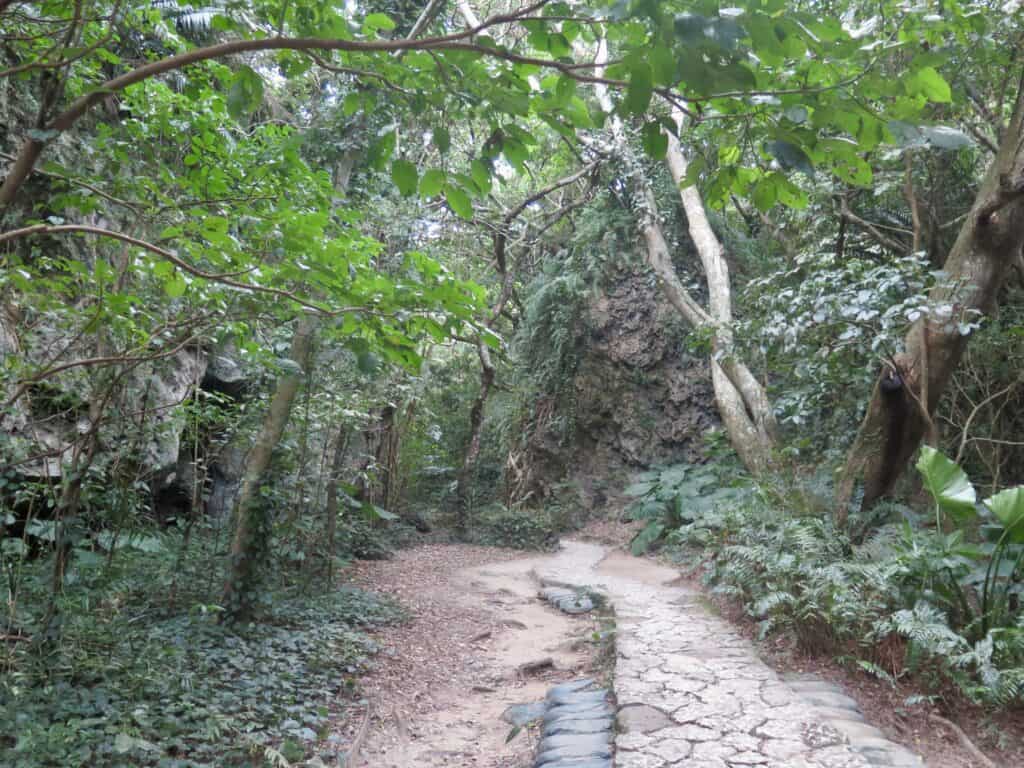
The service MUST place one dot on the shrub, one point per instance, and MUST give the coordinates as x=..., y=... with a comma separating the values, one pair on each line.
x=517, y=529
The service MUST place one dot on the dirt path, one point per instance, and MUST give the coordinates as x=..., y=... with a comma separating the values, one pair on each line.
x=444, y=678
x=691, y=689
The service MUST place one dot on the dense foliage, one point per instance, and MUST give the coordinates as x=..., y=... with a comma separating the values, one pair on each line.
x=288, y=282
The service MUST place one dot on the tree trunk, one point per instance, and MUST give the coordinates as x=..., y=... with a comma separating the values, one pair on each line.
x=331, y=506
x=742, y=402
x=476, y=424
x=251, y=520
x=902, y=407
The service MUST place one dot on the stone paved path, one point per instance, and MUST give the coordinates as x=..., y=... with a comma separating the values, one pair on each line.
x=692, y=692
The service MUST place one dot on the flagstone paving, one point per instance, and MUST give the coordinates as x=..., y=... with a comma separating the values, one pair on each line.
x=692, y=692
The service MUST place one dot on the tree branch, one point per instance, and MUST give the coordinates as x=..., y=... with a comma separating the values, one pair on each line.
x=871, y=229
x=32, y=148
x=224, y=279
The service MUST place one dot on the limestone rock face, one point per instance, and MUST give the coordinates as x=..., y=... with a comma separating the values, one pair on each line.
x=641, y=397
x=47, y=419
x=638, y=397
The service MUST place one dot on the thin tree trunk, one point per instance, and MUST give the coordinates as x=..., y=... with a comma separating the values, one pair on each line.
x=746, y=410
x=902, y=407
x=250, y=520
x=331, y=506
x=476, y=423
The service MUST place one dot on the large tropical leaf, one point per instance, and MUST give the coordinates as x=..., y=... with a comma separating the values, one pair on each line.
x=1008, y=507
x=948, y=484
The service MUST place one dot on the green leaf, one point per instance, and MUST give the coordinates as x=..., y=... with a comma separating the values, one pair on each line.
x=245, y=94
x=947, y=483
x=641, y=488
x=766, y=193
x=929, y=83
x=459, y=202
x=481, y=176
x=176, y=288
x=640, y=90
x=790, y=156
x=405, y=176
x=654, y=140
x=442, y=139
x=1008, y=507
x=663, y=65
x=644, y=540
x=377, y=21
x=939, y=136
x=431, y=182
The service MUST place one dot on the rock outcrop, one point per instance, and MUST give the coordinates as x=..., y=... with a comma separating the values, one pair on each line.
x=637, y=398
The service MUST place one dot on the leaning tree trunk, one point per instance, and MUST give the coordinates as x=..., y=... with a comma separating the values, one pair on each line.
x=902, y=407
x=250, y=523
x=742, y=401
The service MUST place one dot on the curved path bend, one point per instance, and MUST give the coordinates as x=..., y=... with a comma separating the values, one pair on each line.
x=692, y=692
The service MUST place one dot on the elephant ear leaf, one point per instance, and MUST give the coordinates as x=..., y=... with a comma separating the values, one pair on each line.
x=1008, y=507
x=948, y=484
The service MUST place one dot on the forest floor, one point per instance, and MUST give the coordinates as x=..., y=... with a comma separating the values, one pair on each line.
x=444, y=678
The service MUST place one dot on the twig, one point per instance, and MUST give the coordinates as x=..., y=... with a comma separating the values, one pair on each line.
x=964, y=439
x=352, y=759
x=964, y=739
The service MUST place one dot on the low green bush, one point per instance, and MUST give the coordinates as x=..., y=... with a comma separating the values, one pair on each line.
x=499, y=526
x=136, y=670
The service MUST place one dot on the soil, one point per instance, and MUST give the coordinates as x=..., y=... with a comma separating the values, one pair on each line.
x=443, y=679
x=999, y=736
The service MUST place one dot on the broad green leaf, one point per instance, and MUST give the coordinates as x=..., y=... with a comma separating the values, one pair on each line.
x=481, y=176
x=377, y=21
x=459, y=202
x=640, y=89
x=947, y=483
x=404, y=174
x=654, y=140
x=442, y=139
x=929, y=83
x=641, y=488
x=766, y=193
x=663, y=65
x=431, y=182
x=1008, y=507
x=790, y=156
x=176, y=287
x=644, y=540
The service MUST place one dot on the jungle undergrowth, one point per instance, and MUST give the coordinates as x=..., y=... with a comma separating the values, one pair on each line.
x=143, y=677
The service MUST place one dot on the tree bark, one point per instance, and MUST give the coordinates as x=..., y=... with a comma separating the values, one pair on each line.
x=250, y=530
x=902, y=406
x=746, y=409
x=331, y=506
x=476, y=424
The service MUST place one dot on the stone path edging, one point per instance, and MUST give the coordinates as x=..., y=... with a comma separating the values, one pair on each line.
x=692, y=692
